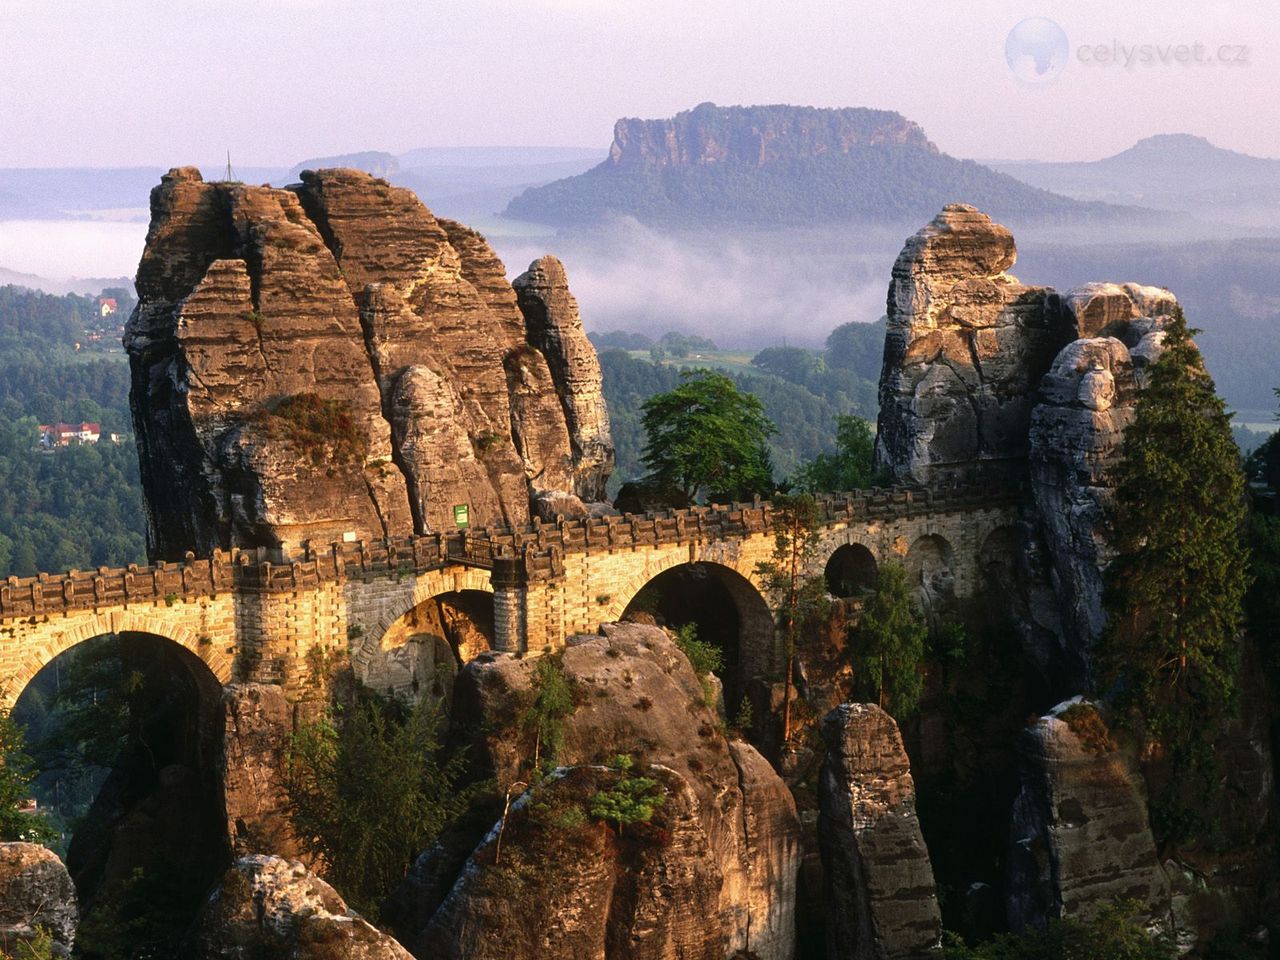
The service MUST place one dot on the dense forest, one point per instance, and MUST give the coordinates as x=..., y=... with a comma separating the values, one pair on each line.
x=77, y=507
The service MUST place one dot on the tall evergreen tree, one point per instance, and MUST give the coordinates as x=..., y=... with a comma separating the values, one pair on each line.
x=1176, y=587
x=800, y=599
x=889, y=645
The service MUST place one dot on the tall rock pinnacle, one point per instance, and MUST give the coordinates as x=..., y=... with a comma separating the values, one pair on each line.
x=331, y=361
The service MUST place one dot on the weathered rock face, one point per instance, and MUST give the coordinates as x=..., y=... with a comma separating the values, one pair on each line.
x=401, y=328
x=717, y=875
x=758, y=135
x=35, y=891
x=258, y=722
x=1080, y=835
x=879, y=883
x=965, y=347
x=554, y=327
x=1086, y=401
x=272, y=907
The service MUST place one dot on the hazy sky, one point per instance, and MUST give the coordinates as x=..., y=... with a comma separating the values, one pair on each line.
x=163, y=82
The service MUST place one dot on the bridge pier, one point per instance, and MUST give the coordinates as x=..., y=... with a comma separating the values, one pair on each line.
x=510, y=583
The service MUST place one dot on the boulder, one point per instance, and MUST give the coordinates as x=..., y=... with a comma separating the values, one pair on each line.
x=881, y=899
x=35, y=892
x=1080, y=836
x=272, y=907
x=720, y=874
x=965, y=347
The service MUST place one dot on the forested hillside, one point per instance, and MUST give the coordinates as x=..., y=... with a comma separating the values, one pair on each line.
x=79, y=506
x=784, y=164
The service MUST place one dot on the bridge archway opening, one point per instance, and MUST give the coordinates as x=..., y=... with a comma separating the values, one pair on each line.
x=998, y=560
x=851, y=571
x=726, y=609
x=931, y=563
x=126, y=731
x=421, y=652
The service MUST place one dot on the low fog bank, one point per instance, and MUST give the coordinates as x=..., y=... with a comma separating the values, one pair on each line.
x=742, y=289
x=748, y=289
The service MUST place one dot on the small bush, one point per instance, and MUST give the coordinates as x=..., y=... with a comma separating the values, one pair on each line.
x=324, y=431
x=703, y=657
x=39, y=947
x=632, y=800
x=1087, y=724
x=1116, y=933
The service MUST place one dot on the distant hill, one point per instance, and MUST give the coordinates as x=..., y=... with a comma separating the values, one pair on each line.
x=774, y=165
x=1174, y=171
x=373, y=162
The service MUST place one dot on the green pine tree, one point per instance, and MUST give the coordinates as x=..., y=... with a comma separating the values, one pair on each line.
x=1175, y=590
x=889, y=645
x=799, y=599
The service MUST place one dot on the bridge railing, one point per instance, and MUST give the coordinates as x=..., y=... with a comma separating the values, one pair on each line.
x=537, y=548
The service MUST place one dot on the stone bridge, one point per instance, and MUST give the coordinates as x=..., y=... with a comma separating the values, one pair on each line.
x=249, y=616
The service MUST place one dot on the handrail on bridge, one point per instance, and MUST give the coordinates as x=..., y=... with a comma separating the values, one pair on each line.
x=536, y=549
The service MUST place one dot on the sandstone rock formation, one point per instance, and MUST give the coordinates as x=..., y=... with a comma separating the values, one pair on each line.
x=330, y=359
x=35, y=892
x=879, y=883
x=258, y=722
x=1080, y=835
x=717, y=875
x=1086, y=401
x=554, y=327
x=272, y=907
x=757, y=135
x=965, y=347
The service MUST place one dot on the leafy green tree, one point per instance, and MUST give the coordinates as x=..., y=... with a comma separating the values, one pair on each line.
x=889, y=645
x=707, y=437
x=849, y=468
x=368, y=792
x=1175, y=590
x=16, y=773
x=799, y=599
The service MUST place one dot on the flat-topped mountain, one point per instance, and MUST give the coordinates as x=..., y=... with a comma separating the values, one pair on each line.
x=782, y=164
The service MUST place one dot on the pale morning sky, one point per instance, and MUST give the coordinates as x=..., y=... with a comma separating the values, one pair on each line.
x=161, y=82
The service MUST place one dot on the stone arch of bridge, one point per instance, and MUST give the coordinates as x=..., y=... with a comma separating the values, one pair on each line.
x=44, y=642
x=932, y=566
x=851, y=569
x=756, y=650
x=421, y=635
x=998, y=557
